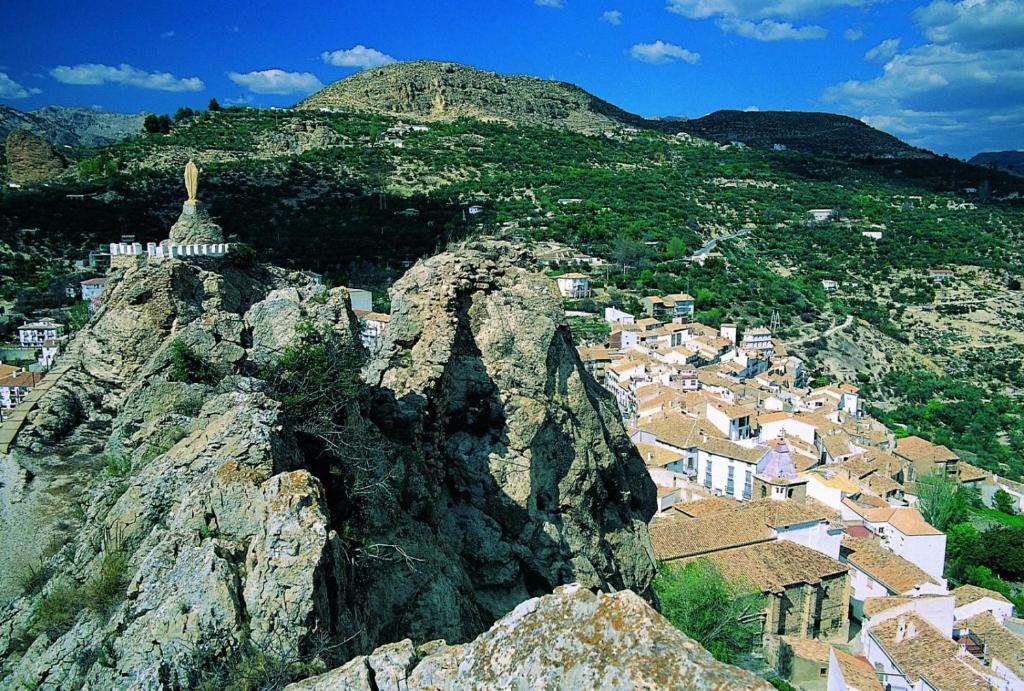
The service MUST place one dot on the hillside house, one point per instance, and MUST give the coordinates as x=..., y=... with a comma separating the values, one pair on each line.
x=49, y=351
x=573, y=285
x=829, y=285
x=758, y=338
x=920, y=457
x=999, y=650
x=617, y=316
x=877, y=572
x=909, y=653
x=821, y=215
x=360, y=299
x=941, y=274
x=15, y=386
x=373, y=324
x=972, y=600
x=33, y=334
x=92, y=288
x=475, y=209
x=904, y=532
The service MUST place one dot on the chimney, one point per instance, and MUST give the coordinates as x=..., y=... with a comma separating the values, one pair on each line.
x=901, y=629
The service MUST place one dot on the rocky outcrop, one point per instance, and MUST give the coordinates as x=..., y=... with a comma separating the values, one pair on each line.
x=478, y=370
x=572, y=639
x=30, y=158
x=194, y=226
x=247, y=498
x=296, y=137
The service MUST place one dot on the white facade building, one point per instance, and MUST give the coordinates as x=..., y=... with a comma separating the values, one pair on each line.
x=33, y=334
x=573, y=285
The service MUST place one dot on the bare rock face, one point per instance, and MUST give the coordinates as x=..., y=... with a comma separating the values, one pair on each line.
x=542, y=486
x=475, y=465
x=572, y=639
x=30, y=158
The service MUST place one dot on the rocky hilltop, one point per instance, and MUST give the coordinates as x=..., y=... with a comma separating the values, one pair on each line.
x=1012, y=161
x=213, y=486
x=816, y=133
x=447, y=91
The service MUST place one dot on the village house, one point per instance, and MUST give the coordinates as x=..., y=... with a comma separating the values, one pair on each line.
x=972, y=600
x=904, y=532
x=941, y=274
x=829, y=285
x=920, y=457
x=33, y=334
x=758, y=338
x=49, y=351
x=15, y=386
x=999, y=650
x=815, y=665
x=617, y=316
x=909, y=653
x=877, y=572
x=821, y=215
x=92, y=288
x=573, y=285
x=373, y=324
x=595, y=360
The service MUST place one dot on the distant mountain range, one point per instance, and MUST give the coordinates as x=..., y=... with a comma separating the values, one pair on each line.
x=71, y=126
x=1011, y=161
x=446, y=91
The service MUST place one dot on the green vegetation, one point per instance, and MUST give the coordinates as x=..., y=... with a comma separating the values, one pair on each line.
x=990, y=559
x=56, y=611
x=986, y=427
x=105, y=589
x=1002, y=502
x=723, y=617
x=942, y=503
x=188, y=366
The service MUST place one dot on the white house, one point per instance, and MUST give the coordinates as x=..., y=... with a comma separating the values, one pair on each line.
x=476, y=209
x=819, y=215
x=49, y=351
x=15, y=386
x=573, y=285
x=617, y=316
x=758, y=338
x=904, y=532
x=972, y=600
x=93, y=288
x=829, y=285
x=33, y=334
x=373, y=327
x=877, y=572
x=734, y=422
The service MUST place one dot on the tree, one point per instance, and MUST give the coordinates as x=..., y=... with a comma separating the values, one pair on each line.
x=151, y=124
x=1002, y=501
x=723, y=617
x=213, y=106
x=183, y=114
x=940, y=500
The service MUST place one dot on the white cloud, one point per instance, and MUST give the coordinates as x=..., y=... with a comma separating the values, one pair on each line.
x=751, y=109
x=613, y=17
x=976, y=23
x=557, y=4
x=243, y=100
x=92, y=74
x=167, y=34
x=357, y=56
x=276, y=81
x=659, y=53
x=759, y=9
x=884, y=50
x=771, y=30
x=853, y=34
x=10, y=89
x=943, y=97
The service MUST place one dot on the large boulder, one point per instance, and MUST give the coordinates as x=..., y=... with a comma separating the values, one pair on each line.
x=540, y=483
x=195, y=226
x=572, y=639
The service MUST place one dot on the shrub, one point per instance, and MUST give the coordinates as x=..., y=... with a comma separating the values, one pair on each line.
x=56, y=611
x=1002, y=501
x=34, y=578
x=188, y=366
x=106, y=588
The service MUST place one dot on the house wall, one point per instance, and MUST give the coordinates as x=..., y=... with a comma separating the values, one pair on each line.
x=720, y=474
x=863, y=586
x=937, y=611
x=817, y=535
x=829, y=496
x=810, y=610
x=801, y=430
x=1000, y=610
x=927, y=552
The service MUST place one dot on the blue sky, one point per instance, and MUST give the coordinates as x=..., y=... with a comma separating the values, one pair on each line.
x=944, y=74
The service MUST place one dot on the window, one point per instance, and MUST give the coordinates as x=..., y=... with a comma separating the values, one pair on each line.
x=748, y=487
x=729, y=488
x=707, y=474
x=764, y=491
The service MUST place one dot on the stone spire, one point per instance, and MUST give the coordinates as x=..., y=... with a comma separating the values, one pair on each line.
x=779, y=463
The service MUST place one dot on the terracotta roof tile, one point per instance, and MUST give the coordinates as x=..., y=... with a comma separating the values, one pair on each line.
x=922, y=651
x=891, y=570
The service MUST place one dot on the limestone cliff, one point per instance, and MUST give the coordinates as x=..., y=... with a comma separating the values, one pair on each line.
x=212, y=489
